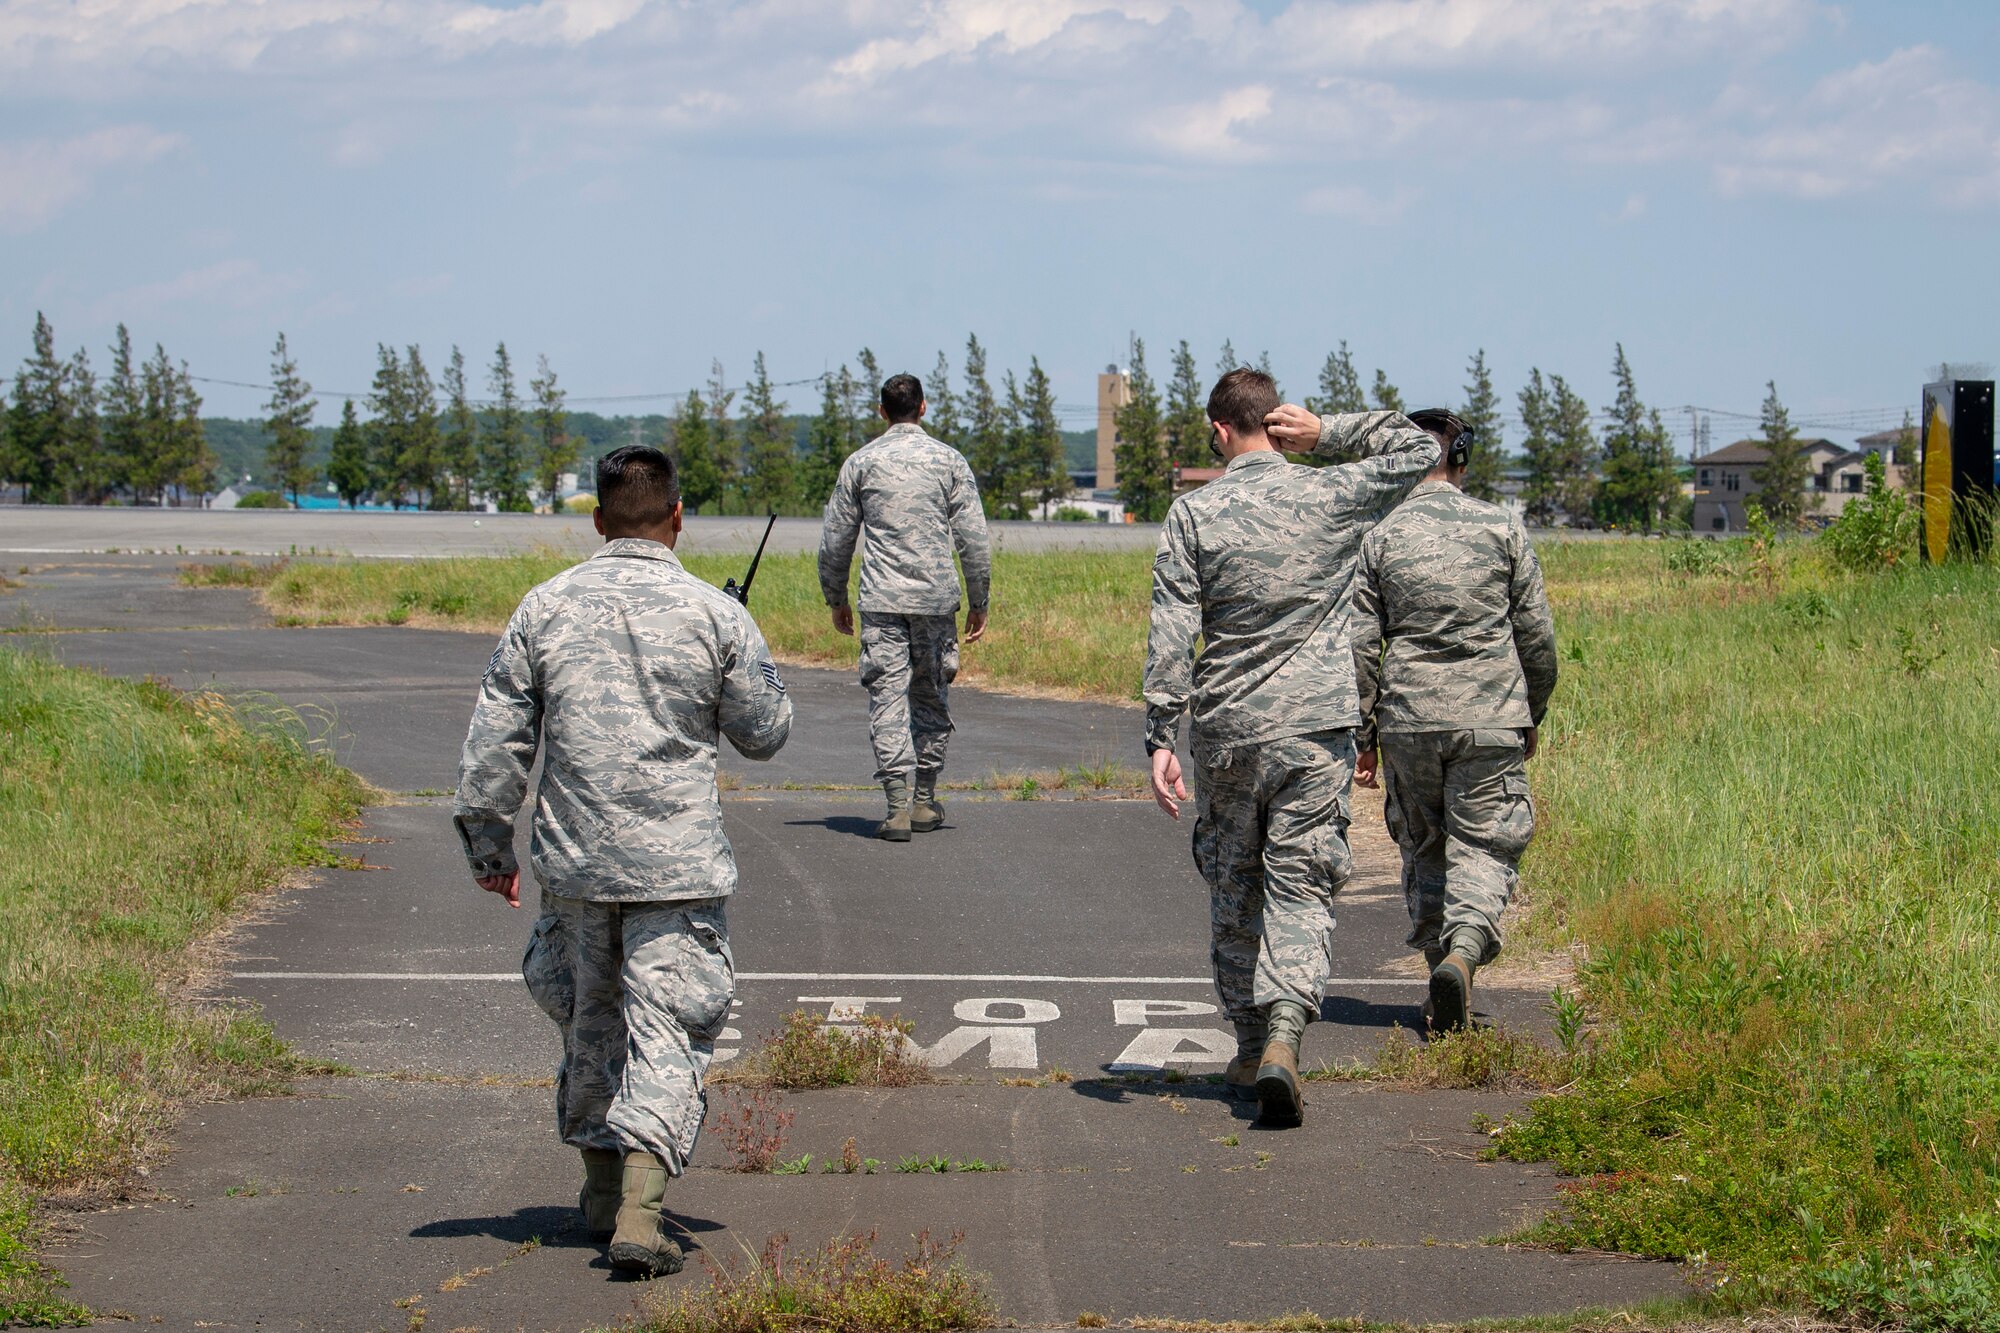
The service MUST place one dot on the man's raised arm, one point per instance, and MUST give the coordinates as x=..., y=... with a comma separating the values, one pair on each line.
x=499, y=751
x=1384, y=453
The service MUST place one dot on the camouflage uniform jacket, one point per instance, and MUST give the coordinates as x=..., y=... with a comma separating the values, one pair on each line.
x=1451, y=621
x=624, y=669
x=1260, y=563
x=916, y=496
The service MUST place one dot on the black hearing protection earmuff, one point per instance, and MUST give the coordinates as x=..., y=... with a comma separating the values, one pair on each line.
x=1440, y=421
x=1460, y=453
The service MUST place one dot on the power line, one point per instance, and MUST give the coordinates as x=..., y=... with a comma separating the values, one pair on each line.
x=1845, y=419
x=669, y=395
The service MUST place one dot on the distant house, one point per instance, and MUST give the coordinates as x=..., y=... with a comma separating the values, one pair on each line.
x=1726, y=478
x=1194, y=478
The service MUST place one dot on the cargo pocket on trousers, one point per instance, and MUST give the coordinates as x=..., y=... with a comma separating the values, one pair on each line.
x=707, y=983
x=1392, y=810
x=546, y=968
x=1336, y=858
x=948, y=662
x=1517, y=821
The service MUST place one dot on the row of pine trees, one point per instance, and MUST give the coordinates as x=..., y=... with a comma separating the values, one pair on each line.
x=68, y=437
x=427, y=443
x=1631, y=479
x=419, y=451
x=1010, y=436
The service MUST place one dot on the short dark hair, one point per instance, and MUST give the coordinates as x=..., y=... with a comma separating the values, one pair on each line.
x=1242, y=399
x=1440, y=421
x=637, y=487
x=902, y=398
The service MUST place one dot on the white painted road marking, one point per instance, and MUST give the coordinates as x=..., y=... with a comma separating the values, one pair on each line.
x=1008, y=1027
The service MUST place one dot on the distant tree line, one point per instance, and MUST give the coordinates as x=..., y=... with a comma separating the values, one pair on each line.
x=1011, y=437
x=1631, y=479
x=68, y=438
x=425, y=444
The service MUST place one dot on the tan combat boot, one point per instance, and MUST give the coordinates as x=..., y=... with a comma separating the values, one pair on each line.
x=1450, y=1004
x=638, y=1245
x=603, y=1177
x=1433, y=955
x=1281, y=1098
x=926, y=815
x=1239, y=1079
x=896, y=828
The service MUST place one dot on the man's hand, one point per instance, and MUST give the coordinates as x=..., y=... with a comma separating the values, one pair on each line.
x=1168, y=789
x=1531, y=742
x=975, y=625
x=1364, y=769
x=508, y=886
x=843, y=620
x=1292, y=428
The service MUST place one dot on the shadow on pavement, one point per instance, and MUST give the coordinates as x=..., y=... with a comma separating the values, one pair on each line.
x=1352, y=1013
x=1119, y=1092
x=554, y=1226
x=853, y=825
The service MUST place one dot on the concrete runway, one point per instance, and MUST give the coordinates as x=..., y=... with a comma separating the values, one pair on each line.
x=83, y=529
x=1025, y=936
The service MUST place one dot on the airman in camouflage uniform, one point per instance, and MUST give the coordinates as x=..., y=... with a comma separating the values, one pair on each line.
x=623, y=670
x=1455, y=659
x=908, y=499
x=1258, y=564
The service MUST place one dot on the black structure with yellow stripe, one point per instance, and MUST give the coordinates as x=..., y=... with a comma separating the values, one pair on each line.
x=1958, y=480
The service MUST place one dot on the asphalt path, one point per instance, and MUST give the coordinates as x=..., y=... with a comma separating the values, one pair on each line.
x=1050, y=953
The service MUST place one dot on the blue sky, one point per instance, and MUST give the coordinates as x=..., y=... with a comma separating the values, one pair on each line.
x=1738, y=190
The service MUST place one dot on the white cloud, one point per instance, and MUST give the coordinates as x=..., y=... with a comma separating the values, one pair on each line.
x=1507, y=34
x=39, y=38
x=39, y=178
x=1208, y=129
x=1905, y=122
x=1063, y=94
x=955, y=29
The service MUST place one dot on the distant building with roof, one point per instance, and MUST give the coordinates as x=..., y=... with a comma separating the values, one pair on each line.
x=1724, y=479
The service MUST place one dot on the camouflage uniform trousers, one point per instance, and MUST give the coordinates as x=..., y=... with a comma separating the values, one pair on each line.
x=1270, y=837
x=907, y=666
x=1458, y=807
x=640, y=990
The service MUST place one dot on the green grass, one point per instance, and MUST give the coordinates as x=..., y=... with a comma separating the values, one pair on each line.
x=842, y=1287
x=132, y=820
x=1490, y=1058
x=230, y=574
x=1063, y=622
x=1770, y=813
x=810, y=1052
